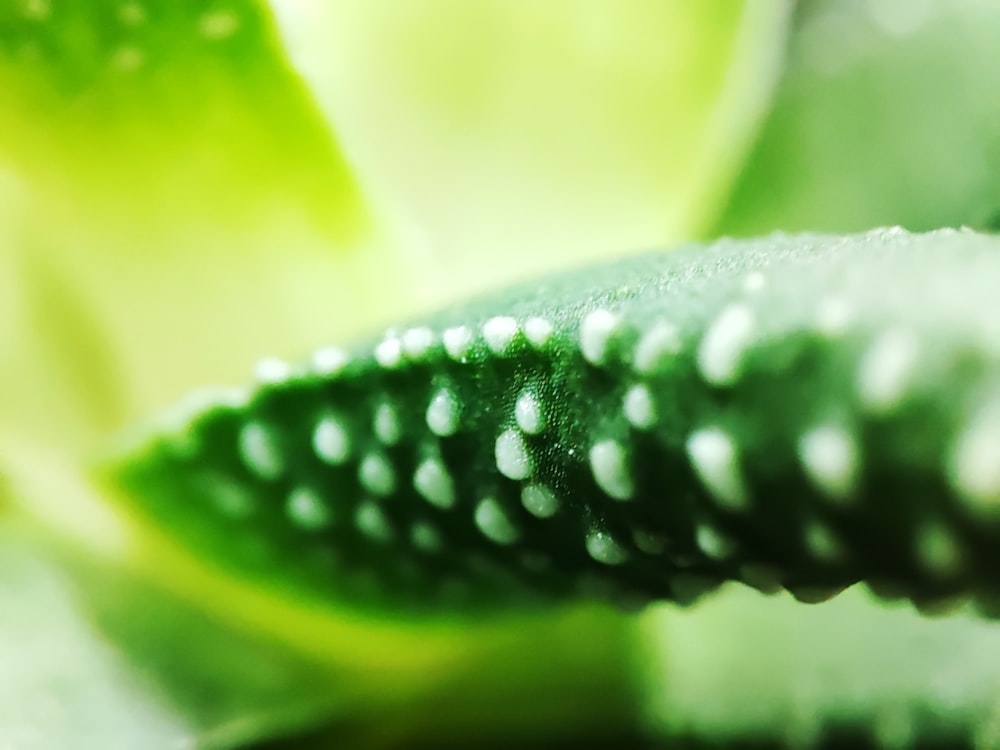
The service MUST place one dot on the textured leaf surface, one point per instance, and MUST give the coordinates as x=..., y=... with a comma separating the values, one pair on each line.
x=801, y=411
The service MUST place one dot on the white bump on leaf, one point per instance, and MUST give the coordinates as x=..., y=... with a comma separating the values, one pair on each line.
x=974, y=461
x=499, y=332
x=389, y=352
x=716, y=462
x=434, y=483
x=528, y=413
x=720, y=355
x=538, y=331
x=387, y=425
x=443, y=413
x=886, y=370
x=271, y=370
x=512, y=458
x=331, y=441
x=655, y=345
x=603, y=548
x=377, y=475
x=539, y=501
x=329, y=360
x=611, y=471
x=638, y=407
x=829, y=456
x=494, y=523
x=417, y=342
x=307, y=510
x=596, y=330
x=457, y=342
x=260, y=452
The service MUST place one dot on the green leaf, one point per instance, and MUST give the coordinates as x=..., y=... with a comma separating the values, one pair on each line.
x=758, y=411
x=166, y=181
x=506, y=138
x=673, y=419
x=131, y=112
x=886, y=115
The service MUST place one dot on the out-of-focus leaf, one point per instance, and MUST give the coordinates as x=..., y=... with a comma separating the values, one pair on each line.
x=887, y=114
x=503, y=138
x=173, y=206
x=855, y=671
x=148, y=110
x=61, y=686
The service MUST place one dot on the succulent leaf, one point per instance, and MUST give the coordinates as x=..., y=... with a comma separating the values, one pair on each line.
x=797, y=411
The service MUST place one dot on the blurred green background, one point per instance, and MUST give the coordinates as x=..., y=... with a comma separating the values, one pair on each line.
x=189, y=185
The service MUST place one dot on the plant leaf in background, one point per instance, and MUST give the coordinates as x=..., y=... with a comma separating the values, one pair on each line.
x=506, y=138
x=886, y=115
x=175, y=207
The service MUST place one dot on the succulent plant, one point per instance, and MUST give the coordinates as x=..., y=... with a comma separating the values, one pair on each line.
x=801, y=412
x=539, y=514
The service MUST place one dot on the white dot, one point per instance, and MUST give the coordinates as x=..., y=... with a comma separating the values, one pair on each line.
x=716, y=462
x=128, y=58
x=443, y=413
x=331, y=441
x=306, y=509
x=648, y=542
x=387, y=426
x=609, y=465
x=638, y=407
x=603, y=548
x=833, y=317
x=376, y=475
x=434, y=483
x=259, y=450
x=659, y=342
x=493, y=522
x=538, y=331
x=272, y=370
x=822, y=543
x=389, y=352
x=218, y=25
x=425, y=537
x=713, y=542
x=938, y=550
x=512, y=456
x=37, y=10
x=886, y=370
x=829, y=456
x=132, y=14
x=596, y=330
x=371, y=521
x=528, y=413
x=974, y=461
x=754, y=282
x=457, y=342
x=329, y=360
x=230, y=498
x=499, y=333
x=539, y=501
x=720, y=355
x=417, y=342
